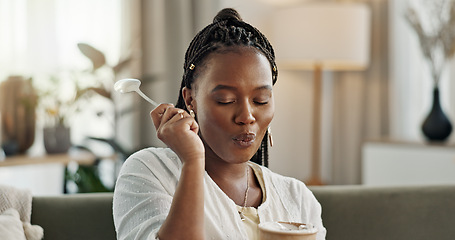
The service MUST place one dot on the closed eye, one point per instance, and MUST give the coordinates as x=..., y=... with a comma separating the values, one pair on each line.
x=261, y=103
x=225, y=102
x=261, y=100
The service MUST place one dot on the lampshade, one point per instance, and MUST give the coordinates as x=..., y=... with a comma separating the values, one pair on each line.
x=336, y=36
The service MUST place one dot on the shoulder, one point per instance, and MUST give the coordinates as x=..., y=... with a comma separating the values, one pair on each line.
x=150, y=169
x=153, y=159
x=144, y=190
x=288, y=186
x=278, y=179
x=154, y=153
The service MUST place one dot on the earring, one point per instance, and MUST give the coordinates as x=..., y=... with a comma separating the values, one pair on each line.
x=269, y=130
x=192, y=114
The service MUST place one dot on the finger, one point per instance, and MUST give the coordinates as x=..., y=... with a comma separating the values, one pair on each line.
x=182, y=122
x=157, y=113
x=172, y=115
x=186, y=119
x=193, y=125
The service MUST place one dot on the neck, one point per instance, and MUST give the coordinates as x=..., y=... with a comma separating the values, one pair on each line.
x=220, y=170
x=231, y=178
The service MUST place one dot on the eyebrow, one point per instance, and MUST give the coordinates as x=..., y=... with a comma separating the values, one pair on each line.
x=225, y=87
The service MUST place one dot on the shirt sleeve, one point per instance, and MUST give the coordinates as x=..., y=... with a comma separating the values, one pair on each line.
x=143, y=195
x=314, y=212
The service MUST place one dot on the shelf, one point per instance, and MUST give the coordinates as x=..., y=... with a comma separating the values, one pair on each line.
x=390, y=162
x=411, y=143
x=64, y=158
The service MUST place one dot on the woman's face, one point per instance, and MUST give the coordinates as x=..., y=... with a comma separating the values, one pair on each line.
x=233, y=101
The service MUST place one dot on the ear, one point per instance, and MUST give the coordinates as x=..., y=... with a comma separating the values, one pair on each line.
x=188, y=98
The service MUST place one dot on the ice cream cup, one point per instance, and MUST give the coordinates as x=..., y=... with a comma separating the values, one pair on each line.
x=286, y=231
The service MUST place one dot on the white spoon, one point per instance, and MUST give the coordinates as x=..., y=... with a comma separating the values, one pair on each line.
x=132, y=85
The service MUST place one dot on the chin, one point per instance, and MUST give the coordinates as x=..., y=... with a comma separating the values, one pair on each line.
x=231, y=152
x=241, y=155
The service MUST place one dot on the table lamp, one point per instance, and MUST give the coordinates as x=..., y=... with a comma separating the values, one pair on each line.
x=317, y=37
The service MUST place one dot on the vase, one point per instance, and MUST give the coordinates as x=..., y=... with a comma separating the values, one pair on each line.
x=437, y=126
x=57, y=139
x=18, y=101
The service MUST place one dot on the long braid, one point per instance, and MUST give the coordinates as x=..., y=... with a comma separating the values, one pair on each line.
x=227, y=30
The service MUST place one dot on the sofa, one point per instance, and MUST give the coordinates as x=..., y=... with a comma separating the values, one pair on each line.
x=349, y=213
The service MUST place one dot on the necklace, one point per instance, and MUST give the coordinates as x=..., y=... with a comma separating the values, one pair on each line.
x=246, y=194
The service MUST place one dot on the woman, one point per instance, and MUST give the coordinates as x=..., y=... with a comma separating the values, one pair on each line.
x=204, y=185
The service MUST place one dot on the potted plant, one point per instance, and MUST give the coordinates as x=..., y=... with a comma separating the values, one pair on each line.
x=57, y=103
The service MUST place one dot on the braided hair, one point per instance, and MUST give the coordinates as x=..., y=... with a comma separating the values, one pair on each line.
x=227, y=32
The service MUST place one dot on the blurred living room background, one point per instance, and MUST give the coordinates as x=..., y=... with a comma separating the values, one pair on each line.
x=64, y=129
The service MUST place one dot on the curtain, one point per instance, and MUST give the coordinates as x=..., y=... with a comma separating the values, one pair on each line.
x=360, y=103
x=41, y=36
x=167, y=28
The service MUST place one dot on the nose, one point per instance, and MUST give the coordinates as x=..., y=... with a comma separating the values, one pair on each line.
x=245, y=114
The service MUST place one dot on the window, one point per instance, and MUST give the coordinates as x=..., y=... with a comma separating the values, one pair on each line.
x=38, y=39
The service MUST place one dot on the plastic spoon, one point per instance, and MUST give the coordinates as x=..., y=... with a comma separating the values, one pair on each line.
x=132, y=85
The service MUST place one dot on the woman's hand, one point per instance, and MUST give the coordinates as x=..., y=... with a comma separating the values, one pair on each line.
x=179, y=131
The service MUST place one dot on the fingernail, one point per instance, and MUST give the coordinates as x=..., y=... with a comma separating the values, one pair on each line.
x=180, y=111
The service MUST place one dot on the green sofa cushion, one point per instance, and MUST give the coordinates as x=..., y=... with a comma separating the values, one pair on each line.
x=388, y=213
x=77, y=216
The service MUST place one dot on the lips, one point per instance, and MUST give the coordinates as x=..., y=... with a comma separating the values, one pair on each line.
x=244, y=139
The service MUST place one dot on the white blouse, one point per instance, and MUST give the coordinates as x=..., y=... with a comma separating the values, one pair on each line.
x=147, y=183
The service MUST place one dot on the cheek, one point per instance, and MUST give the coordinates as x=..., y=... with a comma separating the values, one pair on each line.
x=266, y=120
x=266, y=115
x=212, y=118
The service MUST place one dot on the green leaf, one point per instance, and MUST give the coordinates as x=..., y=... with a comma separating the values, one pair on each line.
x=96, y=56
x=100, y=91
x=121, y=65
